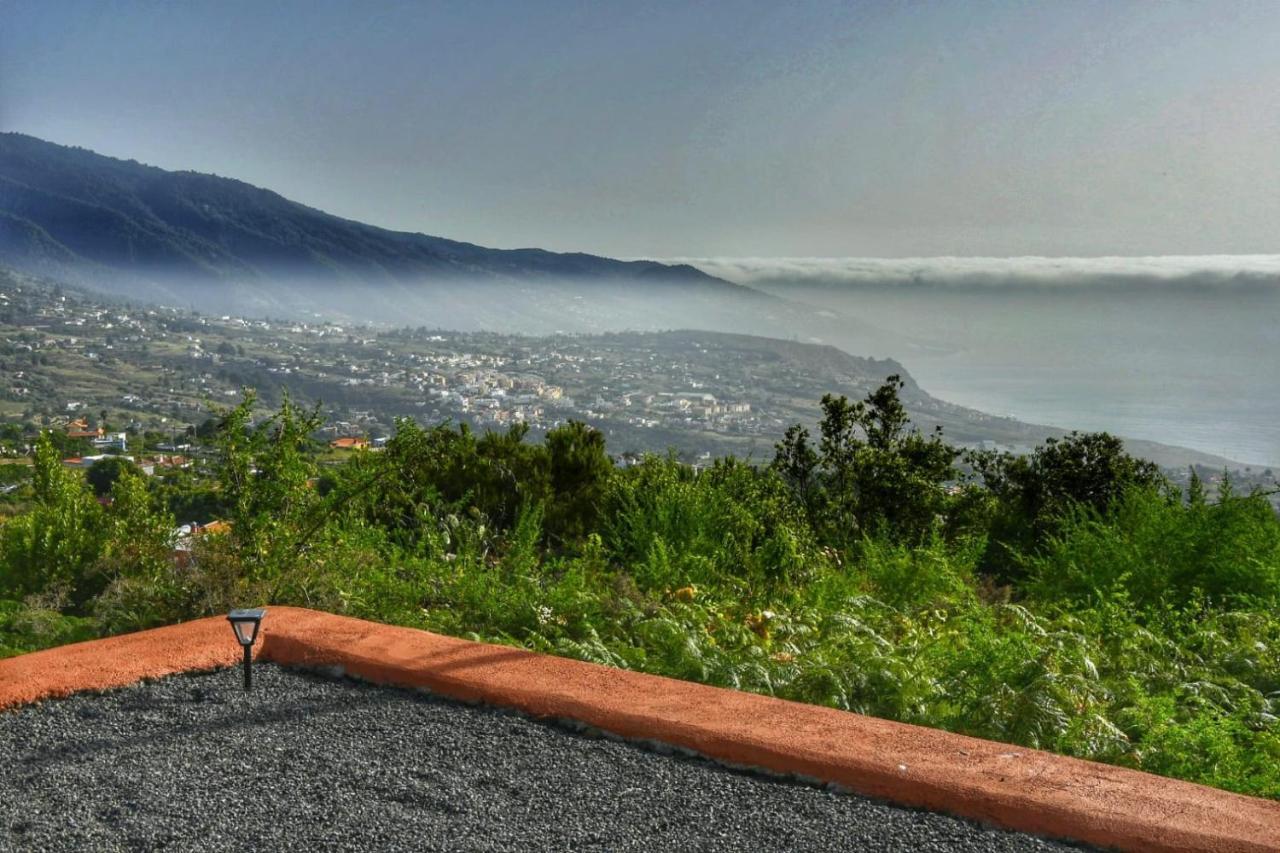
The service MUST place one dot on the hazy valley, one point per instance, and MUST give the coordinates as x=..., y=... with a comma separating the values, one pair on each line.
x=227, y=249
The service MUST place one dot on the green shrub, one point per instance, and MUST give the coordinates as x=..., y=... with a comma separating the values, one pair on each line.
x=1160, y=551
x=31, y=626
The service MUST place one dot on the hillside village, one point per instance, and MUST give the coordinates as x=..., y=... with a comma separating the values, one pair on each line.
x=147, y=381
x=68, y=358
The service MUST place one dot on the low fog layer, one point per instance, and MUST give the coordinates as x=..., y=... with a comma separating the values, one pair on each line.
x=1175, y=350
x=1177, y=270
x=528, y=306
x=1181, y=350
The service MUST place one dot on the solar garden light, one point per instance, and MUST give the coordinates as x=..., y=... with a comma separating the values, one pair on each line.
x=246, y=623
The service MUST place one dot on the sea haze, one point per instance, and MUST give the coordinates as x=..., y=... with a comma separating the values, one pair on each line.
x=1180, y=350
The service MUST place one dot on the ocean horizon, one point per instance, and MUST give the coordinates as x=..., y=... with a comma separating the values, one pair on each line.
x=1183, y=350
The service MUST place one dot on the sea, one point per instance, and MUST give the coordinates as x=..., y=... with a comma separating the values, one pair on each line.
x=1182, y=350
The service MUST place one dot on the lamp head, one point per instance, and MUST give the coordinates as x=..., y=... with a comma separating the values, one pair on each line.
x=246, y=623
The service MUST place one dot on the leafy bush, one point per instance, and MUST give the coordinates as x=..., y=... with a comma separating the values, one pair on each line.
x=53, y=546
x=1161, y=551
x=30, y=626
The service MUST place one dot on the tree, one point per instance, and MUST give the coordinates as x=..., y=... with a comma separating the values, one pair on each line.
x=870, y=472
x=1196, y=494
x=579, y=472
x=796, y=462
x=208, y=430
x=137, y=559
x=1035, y=492
x=103, y=474
x=509, y=475
x=263, y=472
x=66, y=447
x=52, y=548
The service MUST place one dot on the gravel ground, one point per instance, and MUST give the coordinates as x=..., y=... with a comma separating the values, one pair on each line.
x=315, y=763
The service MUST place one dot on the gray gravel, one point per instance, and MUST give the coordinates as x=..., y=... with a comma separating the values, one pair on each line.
x=313, y=763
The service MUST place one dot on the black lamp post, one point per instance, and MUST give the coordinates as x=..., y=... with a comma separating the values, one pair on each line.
x=246, y=623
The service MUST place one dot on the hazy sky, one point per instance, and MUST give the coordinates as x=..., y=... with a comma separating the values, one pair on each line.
x=643, y=129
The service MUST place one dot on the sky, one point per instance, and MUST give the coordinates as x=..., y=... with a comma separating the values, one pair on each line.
x=640, y=129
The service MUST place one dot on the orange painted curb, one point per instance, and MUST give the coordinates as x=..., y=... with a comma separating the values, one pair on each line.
x=116, y=661
x=998, y=784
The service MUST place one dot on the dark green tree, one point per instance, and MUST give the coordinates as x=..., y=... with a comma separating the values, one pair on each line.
x=103, y=474
x=1035, y=492
x=208, y=430
x=872, y=472
x=796, y=462
x=579, y=473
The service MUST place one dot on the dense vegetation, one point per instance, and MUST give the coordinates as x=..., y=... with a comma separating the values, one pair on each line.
x=1068, y=600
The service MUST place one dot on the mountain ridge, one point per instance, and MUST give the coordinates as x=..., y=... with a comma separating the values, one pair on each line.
x=67, y=210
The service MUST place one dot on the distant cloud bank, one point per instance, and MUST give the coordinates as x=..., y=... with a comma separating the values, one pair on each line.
x=1189, y=270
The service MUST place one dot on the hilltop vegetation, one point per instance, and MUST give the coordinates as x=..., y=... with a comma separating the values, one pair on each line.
x=1068, y=600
